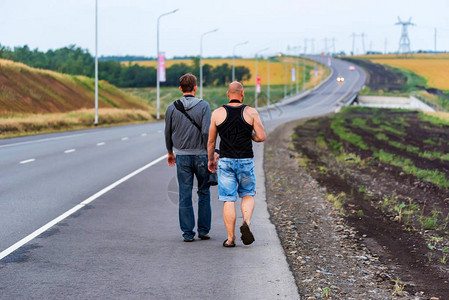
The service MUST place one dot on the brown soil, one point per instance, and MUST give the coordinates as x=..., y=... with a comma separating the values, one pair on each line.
x=382, y=253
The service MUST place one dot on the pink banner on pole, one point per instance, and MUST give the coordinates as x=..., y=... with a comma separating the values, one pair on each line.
x=258, y=84
x=161, y=59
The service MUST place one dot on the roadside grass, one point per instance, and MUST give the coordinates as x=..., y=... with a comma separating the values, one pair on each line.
x=337, y=200
x=367, y=91
x=414, y=80
x=29, y=124
x=439, y=119
x=438, y=102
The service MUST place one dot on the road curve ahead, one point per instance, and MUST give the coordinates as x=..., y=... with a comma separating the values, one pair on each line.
x=106, y=203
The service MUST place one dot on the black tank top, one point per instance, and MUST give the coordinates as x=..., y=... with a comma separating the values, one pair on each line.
x=235, y=134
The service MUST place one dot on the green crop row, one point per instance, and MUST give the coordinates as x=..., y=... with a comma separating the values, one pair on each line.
x=433, y=176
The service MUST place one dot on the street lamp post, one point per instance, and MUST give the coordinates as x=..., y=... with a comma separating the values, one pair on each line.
x=268, y=80
x=233, y=59
x=303, y=73
x=96, y=63
x=286, y=78
x=255, y=86
x=201, y=61
x=157, y=73
x=297, y=70
x=297, y=73
x=291, y=81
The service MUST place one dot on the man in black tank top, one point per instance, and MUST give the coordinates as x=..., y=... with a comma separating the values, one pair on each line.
x=238, y=126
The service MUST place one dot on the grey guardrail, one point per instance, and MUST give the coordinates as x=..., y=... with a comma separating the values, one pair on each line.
x=346, y=100
x=349, y=98
x=297, y=97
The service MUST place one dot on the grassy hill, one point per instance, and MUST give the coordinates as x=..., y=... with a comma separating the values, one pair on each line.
x=27, y=90
x=40, y=101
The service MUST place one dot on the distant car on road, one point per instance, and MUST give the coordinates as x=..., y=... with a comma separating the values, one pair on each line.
x=340, y=78
x=351, y=68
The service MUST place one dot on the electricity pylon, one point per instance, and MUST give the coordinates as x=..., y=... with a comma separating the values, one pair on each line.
x=404, y=41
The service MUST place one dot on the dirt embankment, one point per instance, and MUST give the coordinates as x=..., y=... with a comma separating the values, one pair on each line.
x=381, y=77
x=385, y=175
x=28, y=90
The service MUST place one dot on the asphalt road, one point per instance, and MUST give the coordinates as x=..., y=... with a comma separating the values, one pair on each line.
x=125, y=242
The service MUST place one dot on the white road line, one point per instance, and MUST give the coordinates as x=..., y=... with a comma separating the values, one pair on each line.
x=159, y=131
x=43, y=140
x=124, y=138
x=27, y=161
x=143, y=134
x=101, y=144
x=70, y=151
x=55, y=221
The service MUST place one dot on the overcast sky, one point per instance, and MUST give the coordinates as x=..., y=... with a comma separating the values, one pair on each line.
x=129, y=27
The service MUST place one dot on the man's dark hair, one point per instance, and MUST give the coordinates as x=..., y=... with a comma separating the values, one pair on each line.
x=187, y=82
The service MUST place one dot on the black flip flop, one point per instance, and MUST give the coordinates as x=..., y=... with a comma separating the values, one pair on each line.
x=247, y=236
x=228, y=245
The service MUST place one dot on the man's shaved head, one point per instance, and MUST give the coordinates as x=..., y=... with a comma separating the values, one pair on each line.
x=235, y=90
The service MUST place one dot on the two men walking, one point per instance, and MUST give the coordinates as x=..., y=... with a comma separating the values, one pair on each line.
x=194, y=145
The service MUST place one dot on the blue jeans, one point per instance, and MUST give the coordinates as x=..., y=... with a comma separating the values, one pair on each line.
x=186, y=167
x=236, y=176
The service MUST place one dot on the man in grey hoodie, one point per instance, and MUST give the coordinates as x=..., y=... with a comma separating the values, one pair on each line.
x=187, y=148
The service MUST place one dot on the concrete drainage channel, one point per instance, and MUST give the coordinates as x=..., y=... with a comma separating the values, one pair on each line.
x=393, y=102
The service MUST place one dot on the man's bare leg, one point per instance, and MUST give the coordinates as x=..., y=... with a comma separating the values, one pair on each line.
x=229, y=217
x=247, y=208
x=247, y=211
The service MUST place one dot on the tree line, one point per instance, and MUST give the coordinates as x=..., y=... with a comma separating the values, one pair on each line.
x=77, y=61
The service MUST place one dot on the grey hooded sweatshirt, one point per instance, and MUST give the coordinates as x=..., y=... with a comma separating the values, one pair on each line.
x=181, y=136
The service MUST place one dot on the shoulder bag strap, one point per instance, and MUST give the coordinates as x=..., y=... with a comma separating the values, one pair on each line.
x=179, y=106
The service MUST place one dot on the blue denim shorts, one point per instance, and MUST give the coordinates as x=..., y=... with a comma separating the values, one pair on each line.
x=236, y=176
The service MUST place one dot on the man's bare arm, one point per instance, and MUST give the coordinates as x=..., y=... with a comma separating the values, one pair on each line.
x=259, y=131
x=212, y=165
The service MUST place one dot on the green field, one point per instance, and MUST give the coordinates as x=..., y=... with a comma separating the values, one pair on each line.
x=216, y=96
